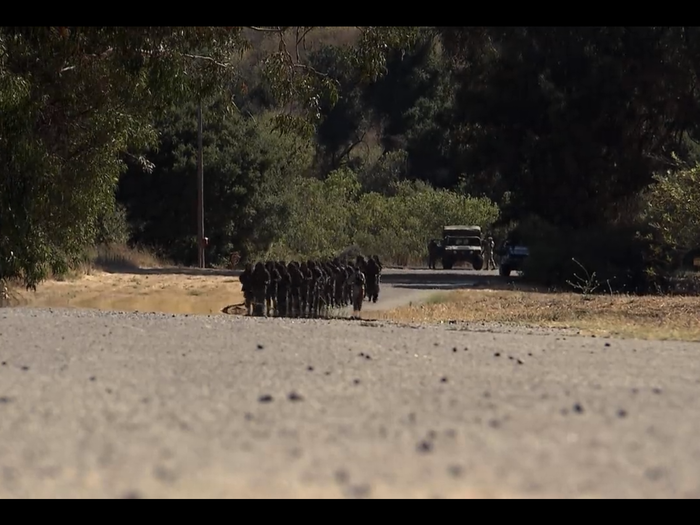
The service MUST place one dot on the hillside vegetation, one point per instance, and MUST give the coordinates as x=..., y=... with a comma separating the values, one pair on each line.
x=319, y=139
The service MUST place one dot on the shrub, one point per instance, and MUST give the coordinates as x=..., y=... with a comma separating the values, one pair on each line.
x=623, y=258
x=328, y=216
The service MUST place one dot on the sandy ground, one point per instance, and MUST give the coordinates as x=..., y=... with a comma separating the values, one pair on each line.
x=175, y=293
x=191, y=291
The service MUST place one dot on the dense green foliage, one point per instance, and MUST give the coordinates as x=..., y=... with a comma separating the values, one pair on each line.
x=319, y=139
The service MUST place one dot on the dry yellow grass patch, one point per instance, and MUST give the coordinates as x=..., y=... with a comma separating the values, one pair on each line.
x=176, y=294
x=119, y=278
x=673, y=317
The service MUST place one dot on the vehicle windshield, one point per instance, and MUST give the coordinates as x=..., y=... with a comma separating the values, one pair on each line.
x=463, y=241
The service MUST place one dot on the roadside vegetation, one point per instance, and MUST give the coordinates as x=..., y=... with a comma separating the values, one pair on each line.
x=322, y=140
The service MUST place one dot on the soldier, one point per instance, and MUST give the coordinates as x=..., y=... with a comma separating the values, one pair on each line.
x=339, y=279
x=316, y=287
x=322, y=298
x=247, y=287
x=381, y=269
x=489, y=246
x=372, y=278
x=271, y=292
x=432, y=253
x=305, y=287
x=296, y=282
x=328, y=286
x=283, y=289
x=260, y=282
x=358, y=292
x=349, y=272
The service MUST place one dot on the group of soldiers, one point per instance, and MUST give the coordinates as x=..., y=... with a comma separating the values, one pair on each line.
x=311, y=288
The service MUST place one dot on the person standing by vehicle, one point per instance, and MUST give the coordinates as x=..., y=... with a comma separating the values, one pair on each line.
x=432, y=254
x=489, y=247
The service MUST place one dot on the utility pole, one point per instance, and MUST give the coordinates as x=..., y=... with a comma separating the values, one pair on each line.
x=200, y=192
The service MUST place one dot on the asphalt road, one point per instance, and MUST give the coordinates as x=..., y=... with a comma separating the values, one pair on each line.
x=401, y=287
x=96, y=404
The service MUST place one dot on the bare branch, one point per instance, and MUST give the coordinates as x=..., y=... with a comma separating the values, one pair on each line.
x=314, y=71
x=210, y=59
x=302, y=39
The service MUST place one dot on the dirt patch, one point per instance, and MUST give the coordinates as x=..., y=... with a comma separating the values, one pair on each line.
x=673, y=318
x=176, y=294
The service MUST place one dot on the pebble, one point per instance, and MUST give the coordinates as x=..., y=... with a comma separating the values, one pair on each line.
x=425, y=447
x=294, y=397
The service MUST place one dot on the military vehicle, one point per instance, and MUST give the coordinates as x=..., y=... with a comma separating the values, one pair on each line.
x=461, y=244
x=512, y=257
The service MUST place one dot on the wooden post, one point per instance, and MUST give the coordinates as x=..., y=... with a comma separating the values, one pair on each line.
x=200, y=192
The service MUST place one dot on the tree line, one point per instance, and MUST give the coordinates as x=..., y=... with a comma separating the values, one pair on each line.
x=580, y=140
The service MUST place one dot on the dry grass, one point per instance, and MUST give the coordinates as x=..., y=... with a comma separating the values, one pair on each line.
x=651, y=317
x=173, y=294
x=114, y=280
x=118, y=258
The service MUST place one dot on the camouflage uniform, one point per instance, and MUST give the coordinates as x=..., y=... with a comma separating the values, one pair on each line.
x=260, y=282
x=358, y=291
x=347, y=285
x=489, y=246
x=305, y=287
x=432, y=254
x=316, y=288
x=271, y=291
x=381, y=268
x=297, y=282
x=246, y=279
x=372, y=280
x=283, y=290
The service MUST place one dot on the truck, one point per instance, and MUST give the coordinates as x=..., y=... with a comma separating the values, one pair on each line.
x=512, y=257
x=461, y=244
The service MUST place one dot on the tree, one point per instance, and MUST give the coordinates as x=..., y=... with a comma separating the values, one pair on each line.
x=76, y=100
x=572, y=120
x=248, y=168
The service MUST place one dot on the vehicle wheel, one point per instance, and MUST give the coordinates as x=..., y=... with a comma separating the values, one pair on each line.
x=504, y=271
x=478, y=262
x=447, y=264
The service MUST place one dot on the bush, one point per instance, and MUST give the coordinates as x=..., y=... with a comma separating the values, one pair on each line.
x=113, y=226
x=328, y=216
x=672, y=207
x=608, y=259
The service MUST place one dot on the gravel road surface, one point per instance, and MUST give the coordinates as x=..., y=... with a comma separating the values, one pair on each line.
x=116, y=405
